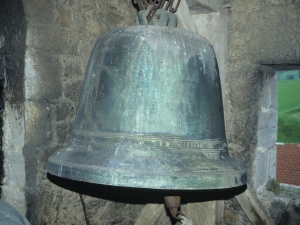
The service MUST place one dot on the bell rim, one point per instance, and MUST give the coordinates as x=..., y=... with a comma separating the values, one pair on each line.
x=96, y=174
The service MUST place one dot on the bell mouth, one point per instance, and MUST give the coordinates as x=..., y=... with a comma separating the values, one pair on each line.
x=148, y=161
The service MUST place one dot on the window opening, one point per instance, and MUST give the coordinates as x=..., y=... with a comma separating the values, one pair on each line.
x=289, y=107
x=288, y=135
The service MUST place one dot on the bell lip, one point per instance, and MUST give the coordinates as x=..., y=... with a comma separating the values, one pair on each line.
x=166, y=181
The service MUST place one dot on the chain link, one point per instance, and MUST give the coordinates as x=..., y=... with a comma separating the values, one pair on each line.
x=155, y=5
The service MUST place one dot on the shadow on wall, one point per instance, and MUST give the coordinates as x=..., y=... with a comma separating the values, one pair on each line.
x=1, y=124
x=12, y=54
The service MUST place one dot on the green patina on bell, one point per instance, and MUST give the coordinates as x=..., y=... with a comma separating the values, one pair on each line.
x=150, y=115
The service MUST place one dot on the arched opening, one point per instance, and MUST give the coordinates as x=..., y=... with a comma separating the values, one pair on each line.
x=288, y=106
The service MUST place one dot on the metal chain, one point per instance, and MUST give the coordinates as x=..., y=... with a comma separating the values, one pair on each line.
x=157, y=4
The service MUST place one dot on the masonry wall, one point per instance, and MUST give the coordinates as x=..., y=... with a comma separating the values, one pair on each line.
x=60, y=38
x=263, y=37
x=42, y=93
x=12, y=50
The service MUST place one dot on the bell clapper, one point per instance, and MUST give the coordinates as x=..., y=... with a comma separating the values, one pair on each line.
x=173, y=203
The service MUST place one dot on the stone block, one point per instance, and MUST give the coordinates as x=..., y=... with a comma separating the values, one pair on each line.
x=268, y=94
x=234, y=214
x=267, y=129
x=42, y=76
x=123, y=8
x=253, y=208
x=273, y=82
x=278, y=211
x=14, y=163
x=58, y=208
x=45, y=154
x=236, y=148
x=85, y=48
x=204, y=6
x=259, y=41
x=31, y=165
x=14, y=167
x=267, y=118
x=93, y=29
x=114, y=213
x=93, y=205
x=266, y=100
x=64, y=16
x=261, y=169
x=92, y=23
x=185, y=20
x=63, y=131
x=151, y=214
x=272, y=162
x=38, y=123
x=74, y=68
x=204, y=213
x=14, y=127
x=72, y=90
x=61, y=206
x=51, y=39
x=38, y=11
x=64, y=110
x=214, y=27
x=278, y=2
x=245, y=6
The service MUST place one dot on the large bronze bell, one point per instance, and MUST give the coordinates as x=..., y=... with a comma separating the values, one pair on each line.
x=150, y=115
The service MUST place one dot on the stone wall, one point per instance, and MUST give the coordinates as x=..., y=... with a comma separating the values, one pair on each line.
x=42, y=88
x=60, y=37
x=12, y=38
x=263, y=37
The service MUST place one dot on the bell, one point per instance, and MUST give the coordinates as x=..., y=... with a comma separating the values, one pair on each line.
x=150, y=115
